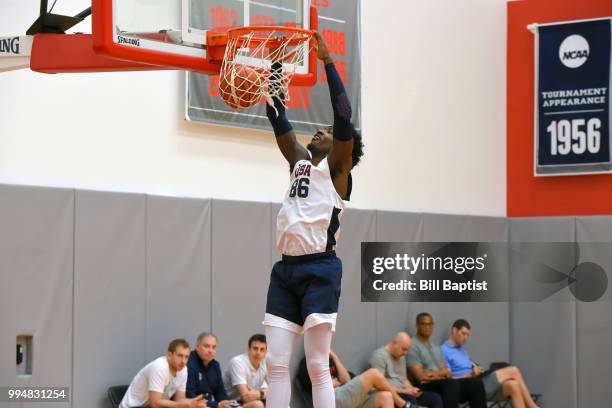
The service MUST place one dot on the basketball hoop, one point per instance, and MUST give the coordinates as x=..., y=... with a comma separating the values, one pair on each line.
x=259, y=63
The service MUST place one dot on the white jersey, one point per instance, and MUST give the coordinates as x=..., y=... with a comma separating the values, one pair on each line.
x=241, y=371
x=155, y=376
x=309, y=219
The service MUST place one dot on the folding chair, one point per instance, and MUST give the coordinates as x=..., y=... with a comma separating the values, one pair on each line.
x=116, y=393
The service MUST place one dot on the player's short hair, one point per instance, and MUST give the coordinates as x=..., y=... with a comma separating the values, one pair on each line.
x=204, y=335
x=460, y=324
x=422, y=315
x=176, y=343
x=261, y=338
x=357, y=145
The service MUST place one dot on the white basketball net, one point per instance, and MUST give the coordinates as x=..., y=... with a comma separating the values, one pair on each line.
x=259, y=50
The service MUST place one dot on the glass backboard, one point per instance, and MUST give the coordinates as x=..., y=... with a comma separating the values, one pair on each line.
x=174, y=33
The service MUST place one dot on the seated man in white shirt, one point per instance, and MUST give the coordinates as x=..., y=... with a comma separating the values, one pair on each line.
x=162, y=382
x=246, y=378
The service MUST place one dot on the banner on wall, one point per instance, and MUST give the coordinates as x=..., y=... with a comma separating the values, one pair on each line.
x=572, y=97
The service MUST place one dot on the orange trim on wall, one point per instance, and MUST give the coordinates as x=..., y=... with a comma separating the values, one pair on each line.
x=528, y=195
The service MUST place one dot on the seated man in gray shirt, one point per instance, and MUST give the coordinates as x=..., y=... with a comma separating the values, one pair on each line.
x=391, y=362
x=355, y=392
x=427, y=364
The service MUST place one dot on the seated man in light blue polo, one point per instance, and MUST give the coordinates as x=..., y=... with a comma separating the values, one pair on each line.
x=508, y=380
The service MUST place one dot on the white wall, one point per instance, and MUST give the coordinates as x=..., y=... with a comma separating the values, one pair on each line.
x=433, y=119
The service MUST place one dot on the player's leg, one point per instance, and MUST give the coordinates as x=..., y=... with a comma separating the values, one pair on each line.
x=283, y=325
x=317, y=345
x=512, y=389
x=280, y=346
x=448, y=389
x=373, y=378
x=319, y=310
x=430, y=399
x=472, y=390
x=383, y=399
x=513, y=373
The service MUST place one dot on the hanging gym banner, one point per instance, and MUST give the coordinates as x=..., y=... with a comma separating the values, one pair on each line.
x=572, y=86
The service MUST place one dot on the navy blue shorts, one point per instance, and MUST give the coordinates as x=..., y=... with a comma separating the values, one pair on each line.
x=304, y=285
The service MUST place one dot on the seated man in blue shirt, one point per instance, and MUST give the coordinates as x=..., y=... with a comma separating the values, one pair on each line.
x=508, y=379
x=204, y=373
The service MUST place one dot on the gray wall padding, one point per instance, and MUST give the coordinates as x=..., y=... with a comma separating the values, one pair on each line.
x=109, y=293
x=242, y=236
x=395, y=227
x=355, y=334
x=141, y=270
x=543, y=335
x=178, y=271
x=274, y=254
x=36, y=241
x=594, y=321
x=483, y=317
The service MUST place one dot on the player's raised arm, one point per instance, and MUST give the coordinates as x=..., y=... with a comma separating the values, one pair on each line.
x=285, y=136
x=340, y=157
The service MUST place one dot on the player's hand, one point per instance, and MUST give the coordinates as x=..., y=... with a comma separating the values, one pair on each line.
x=198, y=402
x=322, y=51
x=429, y=376
x=415, y=392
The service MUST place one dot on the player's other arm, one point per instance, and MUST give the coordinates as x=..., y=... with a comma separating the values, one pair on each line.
x=340, y=158
x=285, y=136
x=343, y=374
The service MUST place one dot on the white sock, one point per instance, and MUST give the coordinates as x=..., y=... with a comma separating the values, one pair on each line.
x=317, y=345
x=280, y=346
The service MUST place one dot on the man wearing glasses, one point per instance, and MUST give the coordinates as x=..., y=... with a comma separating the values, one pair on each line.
x=426, y=363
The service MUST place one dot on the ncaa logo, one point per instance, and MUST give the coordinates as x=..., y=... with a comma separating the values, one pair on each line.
x=574, y=51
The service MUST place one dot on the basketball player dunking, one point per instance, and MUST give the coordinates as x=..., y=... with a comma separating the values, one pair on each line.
x=305, y=285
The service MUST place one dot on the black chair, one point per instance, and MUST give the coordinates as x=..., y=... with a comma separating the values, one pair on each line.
x=503, y=402
x=116, y=393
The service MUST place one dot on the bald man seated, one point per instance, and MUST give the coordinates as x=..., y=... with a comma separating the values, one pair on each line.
x=390, y=360
x=370, y=389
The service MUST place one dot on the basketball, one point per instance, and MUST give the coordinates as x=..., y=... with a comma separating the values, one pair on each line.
x=240, y=87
